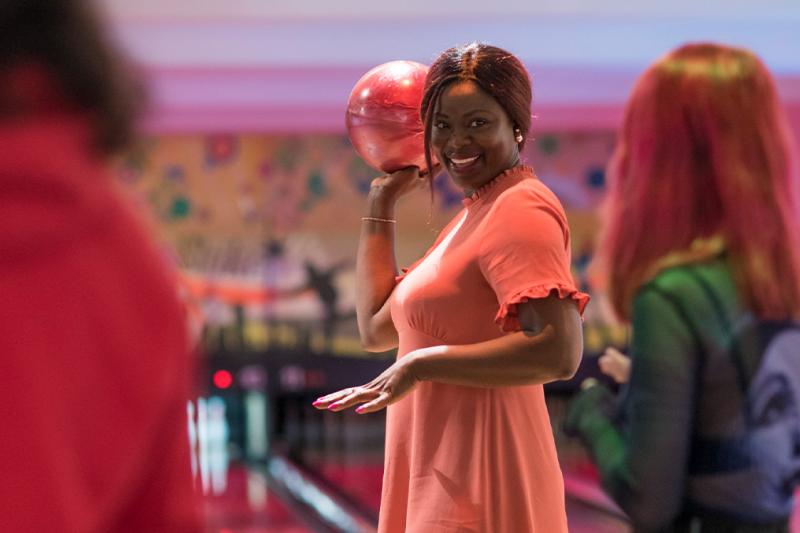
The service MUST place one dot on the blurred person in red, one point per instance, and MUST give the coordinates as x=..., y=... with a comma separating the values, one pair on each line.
x=702, y=253
x=92, y=336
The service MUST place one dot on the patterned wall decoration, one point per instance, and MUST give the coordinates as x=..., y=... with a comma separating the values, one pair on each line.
x=264, y=228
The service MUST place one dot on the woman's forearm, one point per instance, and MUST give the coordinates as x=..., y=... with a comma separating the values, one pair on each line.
x=548, y=348
x=375, y=269
x=376, y=266
x=518, y=359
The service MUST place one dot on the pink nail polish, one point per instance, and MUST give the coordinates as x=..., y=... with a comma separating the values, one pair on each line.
x=360, y=410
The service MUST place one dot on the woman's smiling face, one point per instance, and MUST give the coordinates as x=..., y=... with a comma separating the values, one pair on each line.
x=472, y=135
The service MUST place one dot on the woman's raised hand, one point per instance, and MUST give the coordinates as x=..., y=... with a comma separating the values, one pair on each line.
x=397, y=184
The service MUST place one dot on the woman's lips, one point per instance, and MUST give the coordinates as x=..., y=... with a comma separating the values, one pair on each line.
x=461, y=164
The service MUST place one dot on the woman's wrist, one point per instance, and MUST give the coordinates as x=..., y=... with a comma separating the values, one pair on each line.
x=419, y=360
x=380, y=205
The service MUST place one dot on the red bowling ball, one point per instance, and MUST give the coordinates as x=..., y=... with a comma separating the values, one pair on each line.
x=382, y=117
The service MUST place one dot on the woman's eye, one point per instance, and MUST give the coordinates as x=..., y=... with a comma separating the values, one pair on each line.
x=477, y=123
x=440, y=125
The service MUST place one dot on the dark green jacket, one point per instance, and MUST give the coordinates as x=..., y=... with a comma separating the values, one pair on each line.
x=683, y=391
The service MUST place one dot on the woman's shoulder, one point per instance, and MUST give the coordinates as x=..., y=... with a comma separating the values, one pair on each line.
x=685, y=280
x=529, y=194
x=706, y=255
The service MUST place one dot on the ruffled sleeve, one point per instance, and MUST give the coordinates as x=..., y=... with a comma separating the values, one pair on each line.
x=526, y=252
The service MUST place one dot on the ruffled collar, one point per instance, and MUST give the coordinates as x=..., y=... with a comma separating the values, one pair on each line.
x=505, y=176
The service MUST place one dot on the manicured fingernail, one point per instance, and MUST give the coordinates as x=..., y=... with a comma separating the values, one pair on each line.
x=333, y=406
x=360, y=410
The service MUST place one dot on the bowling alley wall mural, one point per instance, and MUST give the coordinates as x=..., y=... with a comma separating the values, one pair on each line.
x=264, y=229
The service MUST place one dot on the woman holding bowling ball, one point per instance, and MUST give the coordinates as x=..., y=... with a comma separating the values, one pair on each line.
x=487, y=316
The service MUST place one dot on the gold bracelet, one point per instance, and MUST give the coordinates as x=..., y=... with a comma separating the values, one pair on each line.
x=375, y=219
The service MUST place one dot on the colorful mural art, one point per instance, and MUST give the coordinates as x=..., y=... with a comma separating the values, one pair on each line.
x=264, y=229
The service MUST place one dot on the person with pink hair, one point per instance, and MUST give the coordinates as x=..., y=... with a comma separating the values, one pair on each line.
x=701, y=251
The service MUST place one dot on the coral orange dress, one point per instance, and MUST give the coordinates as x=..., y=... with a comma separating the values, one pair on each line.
x=470, y=459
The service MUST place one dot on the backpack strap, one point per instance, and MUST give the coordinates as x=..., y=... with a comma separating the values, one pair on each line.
x=727, y=326
x=680, y=310
x=696, y=460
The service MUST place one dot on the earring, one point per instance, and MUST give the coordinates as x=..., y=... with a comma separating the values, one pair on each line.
x=519, y=137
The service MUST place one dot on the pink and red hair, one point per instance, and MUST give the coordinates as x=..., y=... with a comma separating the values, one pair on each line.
x=704, y=151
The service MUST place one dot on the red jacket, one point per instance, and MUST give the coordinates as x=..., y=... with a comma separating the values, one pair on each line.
x=93, y=348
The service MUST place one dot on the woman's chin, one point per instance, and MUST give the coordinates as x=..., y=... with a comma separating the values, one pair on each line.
x=469, y=183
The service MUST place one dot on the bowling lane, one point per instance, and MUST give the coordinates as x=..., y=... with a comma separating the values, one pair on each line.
x=344, y=451
x=248, y=505
x=309, y=469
